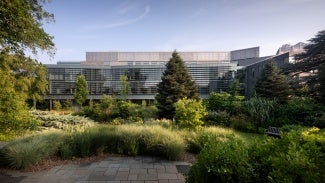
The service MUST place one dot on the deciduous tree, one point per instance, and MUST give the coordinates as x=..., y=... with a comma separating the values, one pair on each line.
x=21, y=26
x=21, y=77
x=124, y=92
x=82, y=91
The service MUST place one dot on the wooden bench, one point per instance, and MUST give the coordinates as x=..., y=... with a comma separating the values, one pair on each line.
x=273, y=131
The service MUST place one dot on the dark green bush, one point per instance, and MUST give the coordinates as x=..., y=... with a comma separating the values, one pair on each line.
x=297, y=157
x=108, y=109
x=221, y=118
x=220, y=162
x=225, y=102
x=242, y=123
x=300, y=111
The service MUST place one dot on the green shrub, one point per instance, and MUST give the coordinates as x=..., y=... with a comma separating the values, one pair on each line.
x=66, y=122
x=261, y=110
x=296, y=157
x=67, y=104
x=242, y=123
x=221, y=118
x=30, y=150
x=220, y=162
x=225, y=102
x=57, y=105
x=196, y=141
x=189, y=113
x=300, y=111
x=161, y=142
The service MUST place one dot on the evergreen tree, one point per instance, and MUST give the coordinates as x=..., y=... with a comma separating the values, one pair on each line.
x=321, y=76
x=82, y=91
x=309, y=62
x=176, y=83
x=272, y=84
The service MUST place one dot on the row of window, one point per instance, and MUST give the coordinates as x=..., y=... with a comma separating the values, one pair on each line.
x=141, y=80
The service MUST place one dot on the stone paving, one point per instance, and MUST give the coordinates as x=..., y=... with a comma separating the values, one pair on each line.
x=110, y=170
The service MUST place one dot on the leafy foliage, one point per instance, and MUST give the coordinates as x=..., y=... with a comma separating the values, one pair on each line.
x=66, y=122
x=22, y=78
x=38, y=84
x=82, y=91
x=272, y=85
x=14, y=116
x=308, y=62
x=220, y=162
x=189, y=113
x=176, y=84
x=57, y=105
x=260, y=110
x=321, y=76
x=21, y=26
x=225, y=102
x=125, y=86
x=110, y=110
x=300, y=111
x=296, y=157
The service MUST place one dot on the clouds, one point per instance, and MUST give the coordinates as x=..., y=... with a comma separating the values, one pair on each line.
x=126, y=20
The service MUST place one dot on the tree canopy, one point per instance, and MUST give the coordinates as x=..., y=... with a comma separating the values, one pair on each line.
x=176, y=83
x=321, y=74
x=82, y=91
x=21, y=26
x=124, y=92
x=272, y=84
x=22, y=78
x=309, y=62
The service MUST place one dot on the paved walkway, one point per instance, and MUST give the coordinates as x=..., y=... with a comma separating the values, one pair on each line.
x=110, y=170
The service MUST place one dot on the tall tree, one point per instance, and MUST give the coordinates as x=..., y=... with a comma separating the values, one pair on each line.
x=272, y=84
x=14, y=116
x=309, y=62
x=21, y=30
x=321, y=76
x=82, y=91
x=176, y=83
x=124, y=86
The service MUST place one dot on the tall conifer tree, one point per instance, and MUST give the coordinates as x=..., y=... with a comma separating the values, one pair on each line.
x=176, y=83
x=310, y=62
x=272, y=84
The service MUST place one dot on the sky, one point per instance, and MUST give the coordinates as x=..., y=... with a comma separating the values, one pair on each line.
x=182, y=25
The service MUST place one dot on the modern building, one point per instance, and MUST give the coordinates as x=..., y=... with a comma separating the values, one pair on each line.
x=292, y=49
x=212, y=71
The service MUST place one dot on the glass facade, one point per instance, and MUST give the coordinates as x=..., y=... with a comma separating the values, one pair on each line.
x=143, y=79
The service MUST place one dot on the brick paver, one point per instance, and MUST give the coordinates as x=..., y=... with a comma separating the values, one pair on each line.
x=110, y=170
